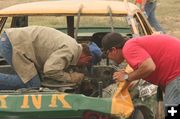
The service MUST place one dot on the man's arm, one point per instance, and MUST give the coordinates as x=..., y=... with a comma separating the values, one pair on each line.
x=143, y=70
x=143, y=4
x=57, y=62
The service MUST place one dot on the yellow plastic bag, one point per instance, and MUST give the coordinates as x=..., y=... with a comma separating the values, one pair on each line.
x=121, y=102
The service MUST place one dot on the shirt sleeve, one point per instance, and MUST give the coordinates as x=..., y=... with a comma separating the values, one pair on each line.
x=56, y=63
x=134, y=54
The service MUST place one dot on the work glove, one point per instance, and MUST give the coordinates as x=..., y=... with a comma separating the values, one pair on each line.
x=76, y=77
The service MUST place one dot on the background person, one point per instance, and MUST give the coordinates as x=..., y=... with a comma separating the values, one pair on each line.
x=138, y=3
x=149, y=6
x=38, y=52
x=154, y=58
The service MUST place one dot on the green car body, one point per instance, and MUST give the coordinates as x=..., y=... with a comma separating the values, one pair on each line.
x=50, y=104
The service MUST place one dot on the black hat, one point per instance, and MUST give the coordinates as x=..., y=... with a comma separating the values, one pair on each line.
x=113, y=40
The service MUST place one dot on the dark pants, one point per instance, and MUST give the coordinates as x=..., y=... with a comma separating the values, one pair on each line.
x=8, y=81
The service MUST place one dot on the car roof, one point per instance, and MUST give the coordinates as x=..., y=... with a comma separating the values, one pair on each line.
x=69, y=7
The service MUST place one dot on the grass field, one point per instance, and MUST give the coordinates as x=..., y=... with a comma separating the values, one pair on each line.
x=167, y=12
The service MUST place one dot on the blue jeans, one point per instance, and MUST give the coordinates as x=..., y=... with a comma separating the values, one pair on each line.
x=172, y=92
x=8, y=81
x=150, y=11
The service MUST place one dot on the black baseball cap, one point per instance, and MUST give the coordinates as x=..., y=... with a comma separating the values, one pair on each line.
x=113, y=39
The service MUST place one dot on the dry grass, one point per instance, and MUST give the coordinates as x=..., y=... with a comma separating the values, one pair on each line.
x=167, y=13
x=169, y=17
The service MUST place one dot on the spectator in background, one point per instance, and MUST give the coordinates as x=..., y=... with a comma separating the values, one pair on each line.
x=138, y=3
x=149, y=7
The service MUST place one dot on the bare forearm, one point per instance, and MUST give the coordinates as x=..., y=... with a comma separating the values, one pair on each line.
x=143, y=4
x=138, y=74
x=144, y=70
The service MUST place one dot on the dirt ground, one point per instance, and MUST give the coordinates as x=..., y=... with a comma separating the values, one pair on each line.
x=167, y=13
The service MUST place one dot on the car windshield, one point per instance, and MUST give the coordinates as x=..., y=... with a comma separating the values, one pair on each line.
x=86, y=26
x=105, y=24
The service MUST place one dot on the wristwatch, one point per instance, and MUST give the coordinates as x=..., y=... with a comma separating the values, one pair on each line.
x=126, y=77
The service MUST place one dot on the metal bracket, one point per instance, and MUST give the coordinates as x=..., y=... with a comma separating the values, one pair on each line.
x=78, y=20
x=111, y=19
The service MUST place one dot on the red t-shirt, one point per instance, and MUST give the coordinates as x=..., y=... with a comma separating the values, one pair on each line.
x=163, y=49
x=139, y=1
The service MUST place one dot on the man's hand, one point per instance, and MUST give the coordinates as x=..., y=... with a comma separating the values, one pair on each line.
x=144, y=2
x=142, y=7
x=119, y=76
x=76, y=77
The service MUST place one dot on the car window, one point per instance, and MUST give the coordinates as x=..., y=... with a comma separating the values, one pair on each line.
x=86, y=27
x=8, y=22
x=2, y=23
x=139, y=26
x=103, y=24
x=49, y=21
x=19, y=21
x=142, y=25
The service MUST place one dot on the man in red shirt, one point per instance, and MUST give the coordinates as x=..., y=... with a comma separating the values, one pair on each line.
x=138, y=3
x=154, y=58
